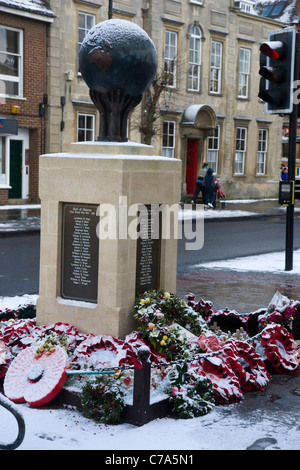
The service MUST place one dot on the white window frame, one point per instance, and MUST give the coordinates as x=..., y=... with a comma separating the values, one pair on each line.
x=262, y=151
x=194, y=58
x=244, y=72
x=168, y=139
x=240, y=150
x=247, y=6
x=8, y=78
x=215, y=77
x=170, y=57
x=86, y=129
x=213, y=147
x=197, y=2
x=86, y=28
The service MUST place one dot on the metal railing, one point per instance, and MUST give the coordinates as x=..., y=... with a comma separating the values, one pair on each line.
x=7, y=404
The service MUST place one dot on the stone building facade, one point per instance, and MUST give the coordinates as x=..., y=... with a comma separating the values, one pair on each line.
x=209, y=109
x=23, y=89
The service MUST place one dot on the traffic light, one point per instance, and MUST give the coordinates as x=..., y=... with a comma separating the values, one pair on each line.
x=277, y=59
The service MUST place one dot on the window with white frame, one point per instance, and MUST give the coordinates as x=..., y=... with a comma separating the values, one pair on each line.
x=213, y=149
x=247, y=6
x=168, y=145
x=215, y=67
x=85, y=127
x=170, y=61
x=244, y=71
x=194, y=59
x=240, y=150
x=11, y=61
x=198, y=2
x=262, y=151
x=85, y=23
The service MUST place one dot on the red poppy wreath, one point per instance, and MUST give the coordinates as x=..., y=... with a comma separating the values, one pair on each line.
x=280, y=349
x=246, y=364
x=225, y=383
x=36, y=379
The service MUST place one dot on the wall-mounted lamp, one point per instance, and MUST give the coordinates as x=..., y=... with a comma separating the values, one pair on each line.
x=69, y=74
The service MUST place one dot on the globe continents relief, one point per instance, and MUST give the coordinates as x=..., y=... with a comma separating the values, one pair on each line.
x=118, y=62
x=118, y=54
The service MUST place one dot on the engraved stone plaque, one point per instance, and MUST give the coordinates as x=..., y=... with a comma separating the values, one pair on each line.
x=80, y=250
x=148, y=250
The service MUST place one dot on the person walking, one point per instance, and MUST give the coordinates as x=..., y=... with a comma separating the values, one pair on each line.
x=199, y=183
x=209, y=188
x=284, y=173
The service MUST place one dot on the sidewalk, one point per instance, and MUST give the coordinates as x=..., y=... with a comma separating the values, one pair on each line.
x=23, y=219
x=19, y=219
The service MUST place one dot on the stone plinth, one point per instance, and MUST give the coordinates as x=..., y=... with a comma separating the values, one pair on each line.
x=91, y=176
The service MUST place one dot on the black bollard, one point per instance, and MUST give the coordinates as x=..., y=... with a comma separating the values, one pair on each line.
x=141, y=412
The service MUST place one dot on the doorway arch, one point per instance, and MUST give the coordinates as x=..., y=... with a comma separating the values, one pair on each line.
x=196, y=124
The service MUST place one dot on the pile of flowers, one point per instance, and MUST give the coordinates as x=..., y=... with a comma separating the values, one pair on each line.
x=197, y=367
x=159, y=314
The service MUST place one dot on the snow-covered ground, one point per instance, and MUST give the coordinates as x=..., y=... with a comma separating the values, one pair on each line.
x=272, y=262
x=224, y=428
x=221, y=429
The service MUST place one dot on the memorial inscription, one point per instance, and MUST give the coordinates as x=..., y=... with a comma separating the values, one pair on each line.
x=80, y=250
x=148, y=250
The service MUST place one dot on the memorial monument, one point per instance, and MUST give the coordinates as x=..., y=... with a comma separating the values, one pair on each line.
x=105, y=205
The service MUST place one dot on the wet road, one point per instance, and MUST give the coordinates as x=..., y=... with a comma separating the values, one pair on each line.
x=234, y=238
x=240, y=291
x=244, y=292
x=19, y=264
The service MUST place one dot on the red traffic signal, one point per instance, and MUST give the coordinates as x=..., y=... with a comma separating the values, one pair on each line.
x=273, y=49
x=277, y=58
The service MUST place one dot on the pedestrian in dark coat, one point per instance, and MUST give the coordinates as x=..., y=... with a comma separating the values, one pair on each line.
x=209, y=188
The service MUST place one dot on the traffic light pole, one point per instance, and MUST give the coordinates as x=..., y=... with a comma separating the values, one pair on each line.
x=292, y=167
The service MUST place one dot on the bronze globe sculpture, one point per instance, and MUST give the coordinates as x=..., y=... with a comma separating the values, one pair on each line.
x=118, y=62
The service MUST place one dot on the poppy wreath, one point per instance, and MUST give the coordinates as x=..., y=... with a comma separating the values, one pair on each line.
x=280, y=349
x=92, y=344
x=228, y=320
x=226, y=385
x=254, y=375
x=13, y=334
x=36, y=379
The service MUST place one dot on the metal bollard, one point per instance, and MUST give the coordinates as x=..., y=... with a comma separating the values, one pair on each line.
x=21, y=424
x=141, y=412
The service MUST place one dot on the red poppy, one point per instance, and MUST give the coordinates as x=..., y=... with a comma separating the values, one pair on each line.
x=36, y=380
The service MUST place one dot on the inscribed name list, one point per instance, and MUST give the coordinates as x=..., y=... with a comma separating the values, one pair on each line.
x=80, y=250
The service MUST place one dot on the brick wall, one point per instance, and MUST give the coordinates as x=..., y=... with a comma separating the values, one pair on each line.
x=34, y=88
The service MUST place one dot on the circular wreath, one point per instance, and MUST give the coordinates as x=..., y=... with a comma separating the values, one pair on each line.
x=36, y=379
x=280, y=349
x=226, y=385
x=246, y=364
x=89, y=347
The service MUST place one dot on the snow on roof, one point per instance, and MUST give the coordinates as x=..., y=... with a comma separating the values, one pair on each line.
x=284, y=11
x=33, y=6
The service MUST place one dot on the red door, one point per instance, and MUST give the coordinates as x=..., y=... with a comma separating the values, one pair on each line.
x=191, y=165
